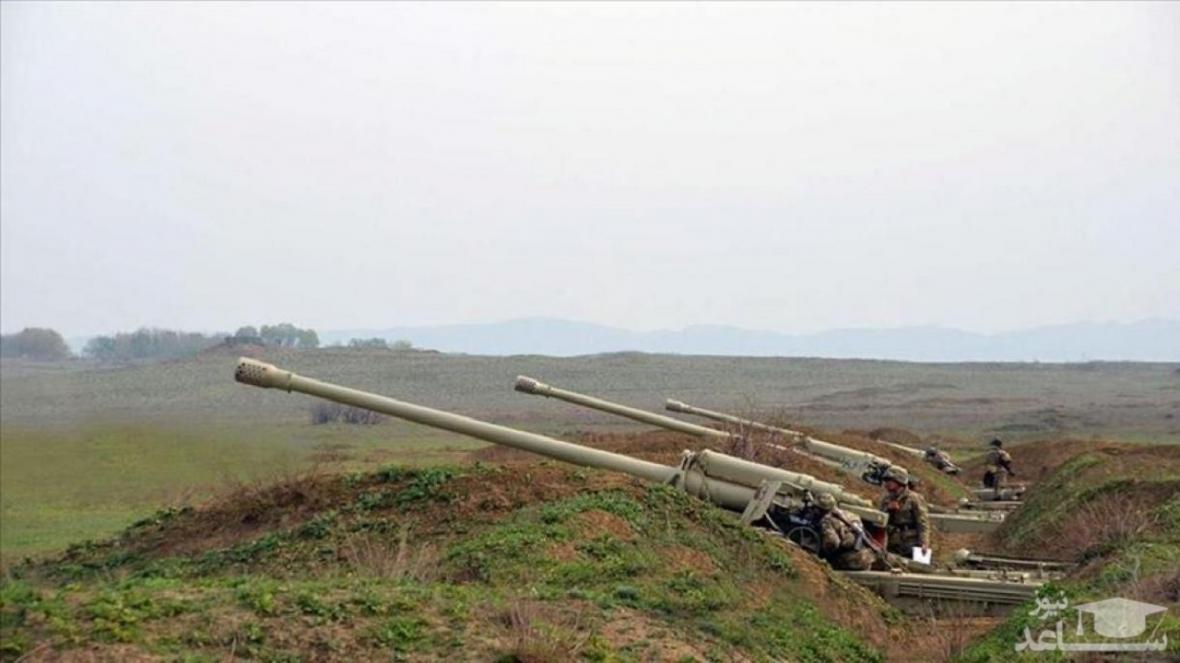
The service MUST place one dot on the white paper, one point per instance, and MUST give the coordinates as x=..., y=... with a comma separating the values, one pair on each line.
x=923, y=558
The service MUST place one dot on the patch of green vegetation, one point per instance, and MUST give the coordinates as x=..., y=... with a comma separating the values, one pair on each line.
x=1053, y=497
x=527, y=577
x=400, y=633
x=1140, y=567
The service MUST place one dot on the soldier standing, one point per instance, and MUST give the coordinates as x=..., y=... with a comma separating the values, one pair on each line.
x=999, y=468
x=909, y=521
x=840, y=543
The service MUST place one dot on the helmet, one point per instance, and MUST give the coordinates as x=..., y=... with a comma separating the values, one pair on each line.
x=898, y=474
x=931, y=451
x=826, y=501
x=997, y=442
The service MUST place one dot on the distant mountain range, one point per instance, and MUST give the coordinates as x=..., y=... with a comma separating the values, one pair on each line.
x=1148, y=340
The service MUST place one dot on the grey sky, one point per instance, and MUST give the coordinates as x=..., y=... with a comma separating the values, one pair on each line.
x=789, y=167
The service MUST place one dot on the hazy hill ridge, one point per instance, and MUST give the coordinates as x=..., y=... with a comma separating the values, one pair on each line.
x=1148, y=340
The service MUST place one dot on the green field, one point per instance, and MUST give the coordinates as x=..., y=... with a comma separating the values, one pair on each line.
x=61, y=486
x=86, y=449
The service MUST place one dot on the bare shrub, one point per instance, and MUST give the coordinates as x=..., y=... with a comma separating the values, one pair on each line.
x=952, y=628
x=382, y=558
x=1107, y=522
x=1161, y=588
x=330, y=413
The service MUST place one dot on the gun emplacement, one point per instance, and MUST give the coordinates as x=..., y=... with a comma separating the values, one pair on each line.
x=725, y=480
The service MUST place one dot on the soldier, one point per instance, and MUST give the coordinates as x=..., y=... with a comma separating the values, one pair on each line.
x=840, y=542
x=941, y=460
x=909, y=521
x=999, y=468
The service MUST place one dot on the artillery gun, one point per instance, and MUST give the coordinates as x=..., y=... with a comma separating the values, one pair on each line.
x=930, y=456
x=1043, y=568
x=1006, y=494
x=761, y=494
x=867, y=466
x=900, y=447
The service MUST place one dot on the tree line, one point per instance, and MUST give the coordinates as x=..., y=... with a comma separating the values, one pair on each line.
x=42, y=344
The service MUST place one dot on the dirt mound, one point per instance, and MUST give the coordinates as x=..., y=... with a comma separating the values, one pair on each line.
x=535, y=560
x=1114, y=508
x=1035, y=461
x=1089, y=495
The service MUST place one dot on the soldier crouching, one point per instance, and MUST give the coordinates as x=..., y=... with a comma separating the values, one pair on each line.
x=840, y=544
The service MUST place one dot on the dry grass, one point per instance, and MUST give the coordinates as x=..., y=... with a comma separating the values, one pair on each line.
x=387, y=560
x=1109, y=522
x=540, y=635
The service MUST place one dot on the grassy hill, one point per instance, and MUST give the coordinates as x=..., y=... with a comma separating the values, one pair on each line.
x=1113, y=507
x=443, y=563
x=520, y=559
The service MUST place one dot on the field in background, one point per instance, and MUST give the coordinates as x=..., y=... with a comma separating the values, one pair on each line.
x=975, y=399
x=62, y=486
x=86, y=449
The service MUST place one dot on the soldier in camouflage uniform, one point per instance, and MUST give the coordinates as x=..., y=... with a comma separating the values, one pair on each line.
x=941, y=460
x=840, y=544
x=909, y=521
x=999, y=468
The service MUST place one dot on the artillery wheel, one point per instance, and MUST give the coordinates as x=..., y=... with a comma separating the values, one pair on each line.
x=805, y=537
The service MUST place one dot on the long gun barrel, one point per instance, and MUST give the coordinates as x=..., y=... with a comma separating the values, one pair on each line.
x=535, y=387
x=901, y=447
x=729, y=482
x=869, y=466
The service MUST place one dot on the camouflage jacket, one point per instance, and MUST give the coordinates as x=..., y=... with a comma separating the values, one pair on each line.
x=835, y=536
x=997, y=458
x=909, y=520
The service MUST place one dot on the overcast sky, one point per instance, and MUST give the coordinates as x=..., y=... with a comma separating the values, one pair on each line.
x=787, y=167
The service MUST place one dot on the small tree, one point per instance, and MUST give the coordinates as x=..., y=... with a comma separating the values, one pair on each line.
x=37, y=343
x=249, y=331
x=100, y=347
x=288, y=335
x=401, y=344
